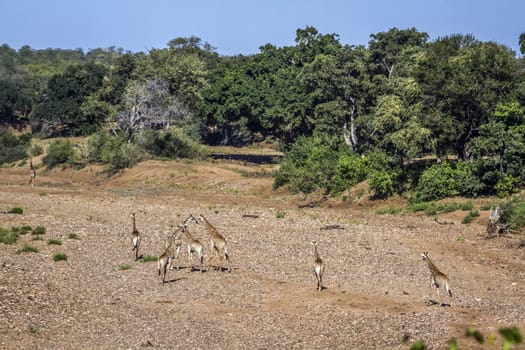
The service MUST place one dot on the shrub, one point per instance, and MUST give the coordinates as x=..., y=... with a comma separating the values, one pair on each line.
x=123, y=267
x=12, y=148
x=16, y=210
x=59, y=152
x=25, y=229
x=513, y=213
x=349, y=170
x=435, y=183
x=507, y=185
x=8, y=236
x=122, y=155
x=280, y=214
x=96, y=147
x=169, y=144
x=39, y=230
x=382, y=175
x=35, y=149
x=73, y=236
x=467, y=206
x=54, y=242
x=307, y=167
x=149, y=258
x=383, y=183
x=59, y=257
x=471, y=215
x=467, y=182
x=27, y=248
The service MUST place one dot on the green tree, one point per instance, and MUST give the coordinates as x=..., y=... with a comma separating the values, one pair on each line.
x=499, y=148
x=307, y=167
x=59, y=110
x=185, y=72
x=14, y=103
x=386, y=48
x=462, y=81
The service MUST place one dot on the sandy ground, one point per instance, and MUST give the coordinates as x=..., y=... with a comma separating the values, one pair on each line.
x=376, y=286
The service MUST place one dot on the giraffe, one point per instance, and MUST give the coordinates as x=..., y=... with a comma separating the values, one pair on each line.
x=218, y=247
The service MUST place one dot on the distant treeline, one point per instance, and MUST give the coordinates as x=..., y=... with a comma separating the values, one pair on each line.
x=341, y=113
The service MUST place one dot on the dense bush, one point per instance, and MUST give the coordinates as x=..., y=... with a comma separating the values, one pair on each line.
x=124, y=155
x=513, y=213
x=437, y=182
x=467, y=181
x=382, y=174
x=12, y=148
x=448, y=179
x=507, y=185
x=307, y=167
x=114, y=151
x=96, y=146
x=59, y=152
x=349, y=170
x=118, y=153
x=8, y=236
x=170, y=144
x=35, y=149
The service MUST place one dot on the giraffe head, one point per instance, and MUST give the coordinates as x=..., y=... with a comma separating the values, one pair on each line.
x=188, y=220
x=200, y=219
x=424, y=255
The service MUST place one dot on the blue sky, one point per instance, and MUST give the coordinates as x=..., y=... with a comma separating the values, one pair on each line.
x=242, y=26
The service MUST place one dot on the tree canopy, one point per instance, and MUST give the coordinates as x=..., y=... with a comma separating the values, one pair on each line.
x=398, y=99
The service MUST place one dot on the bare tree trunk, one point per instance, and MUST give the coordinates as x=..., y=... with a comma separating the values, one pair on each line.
x=389, y=68
x=349, y=135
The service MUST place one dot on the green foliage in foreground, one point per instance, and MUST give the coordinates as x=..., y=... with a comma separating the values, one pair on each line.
x=124, y=267
x=39, y=230
x=435, y=208
x=149, y=258
x=54, y=241
x=10, y=236
x=280, y=214
x=59, y=257
x=512, y=211
x=470, y=217
x=16, y=210
x=27, y=248
x=510, y=336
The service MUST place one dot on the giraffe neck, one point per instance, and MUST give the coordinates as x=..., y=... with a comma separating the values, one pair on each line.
x=134, y=226
x=211, y=229
x=188, y=235
x=316, y=253
x=433, y=269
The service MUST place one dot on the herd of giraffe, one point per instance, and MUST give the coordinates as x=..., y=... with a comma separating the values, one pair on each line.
x=218, y=247
x=219, y=251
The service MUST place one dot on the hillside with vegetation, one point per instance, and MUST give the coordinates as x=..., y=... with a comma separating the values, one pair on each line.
x=426, y=119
